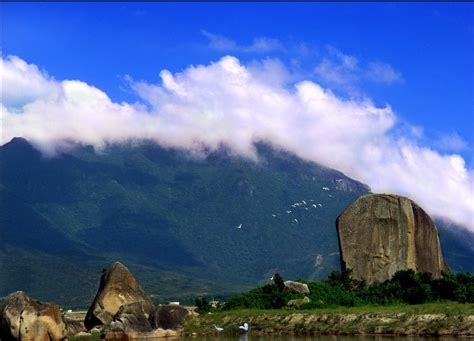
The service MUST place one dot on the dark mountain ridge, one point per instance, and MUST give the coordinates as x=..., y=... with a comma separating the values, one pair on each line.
x=184, y=224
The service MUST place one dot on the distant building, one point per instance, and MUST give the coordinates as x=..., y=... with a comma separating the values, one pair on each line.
x=174, y=303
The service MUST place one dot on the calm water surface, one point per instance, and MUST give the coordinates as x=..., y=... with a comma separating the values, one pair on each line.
x=311, y=338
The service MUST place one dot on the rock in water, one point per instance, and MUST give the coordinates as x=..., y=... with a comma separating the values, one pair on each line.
x=380, y=234
x=131, y=318
x=117, y=287
x=168, y=316
x=22, y=318
x=131, y=323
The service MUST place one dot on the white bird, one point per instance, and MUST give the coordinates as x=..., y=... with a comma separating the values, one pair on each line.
x=304, y=202
x=219, y=329
x=244, y=327
x=288, y=212
x=240, y=226
x=314, y=205
x=306, y=208
x=326, y=188
x=274, y=215
x=295, y=220
x=320, y=205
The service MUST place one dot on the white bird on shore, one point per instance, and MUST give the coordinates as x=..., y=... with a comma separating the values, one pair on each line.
x=240, y=226
x=219, y=329
x=244, y=327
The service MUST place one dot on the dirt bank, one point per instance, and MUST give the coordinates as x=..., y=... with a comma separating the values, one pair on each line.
x=309, y=323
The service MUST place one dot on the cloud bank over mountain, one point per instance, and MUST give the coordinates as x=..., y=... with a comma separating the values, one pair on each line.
x=232, y=104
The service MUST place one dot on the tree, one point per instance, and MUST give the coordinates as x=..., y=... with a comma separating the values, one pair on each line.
x=202, y=305
x=278, y=280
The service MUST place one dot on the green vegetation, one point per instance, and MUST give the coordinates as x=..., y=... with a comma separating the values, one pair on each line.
x=340, y=290
x=408, y=304
x=171, y=218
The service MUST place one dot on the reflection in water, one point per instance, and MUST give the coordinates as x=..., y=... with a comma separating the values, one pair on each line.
x=244, y=337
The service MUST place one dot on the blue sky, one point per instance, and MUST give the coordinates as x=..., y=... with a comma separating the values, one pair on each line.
x=429, y=45
x=381, y=91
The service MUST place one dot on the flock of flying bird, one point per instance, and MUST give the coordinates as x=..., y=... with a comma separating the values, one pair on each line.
x=298, y=204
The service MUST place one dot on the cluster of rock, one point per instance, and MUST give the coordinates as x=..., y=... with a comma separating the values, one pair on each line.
x=380, y=234
x=121, y=310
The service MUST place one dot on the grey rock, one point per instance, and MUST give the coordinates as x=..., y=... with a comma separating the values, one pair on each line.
x=131, y=318
x=168, y=316
x=301, y=288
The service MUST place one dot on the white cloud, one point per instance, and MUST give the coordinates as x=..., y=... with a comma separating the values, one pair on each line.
x=229, y=103
x=383, y=73
x=343, y=70
x=24, y=82
x=259, y=45
x=451, y=142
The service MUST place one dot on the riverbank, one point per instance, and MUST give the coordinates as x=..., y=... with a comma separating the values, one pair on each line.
x=434, y=319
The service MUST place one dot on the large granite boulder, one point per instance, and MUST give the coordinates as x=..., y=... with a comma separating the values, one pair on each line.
x=380, y=234
x=22, y=318
x=117, y=287
x=169, y=316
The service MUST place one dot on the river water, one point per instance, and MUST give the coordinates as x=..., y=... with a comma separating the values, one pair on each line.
x=246, y=337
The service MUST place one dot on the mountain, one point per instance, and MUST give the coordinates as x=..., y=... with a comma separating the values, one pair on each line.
x=184, y=224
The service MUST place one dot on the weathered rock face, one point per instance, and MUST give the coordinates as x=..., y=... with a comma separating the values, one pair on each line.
x=74, y=328
x=23, y=318
x=131, y=318
x=168, y=316
x=117, y=287
x=380, y=234
x=301, y=288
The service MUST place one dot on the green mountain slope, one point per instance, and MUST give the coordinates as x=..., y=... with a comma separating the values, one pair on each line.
x=185, y=225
